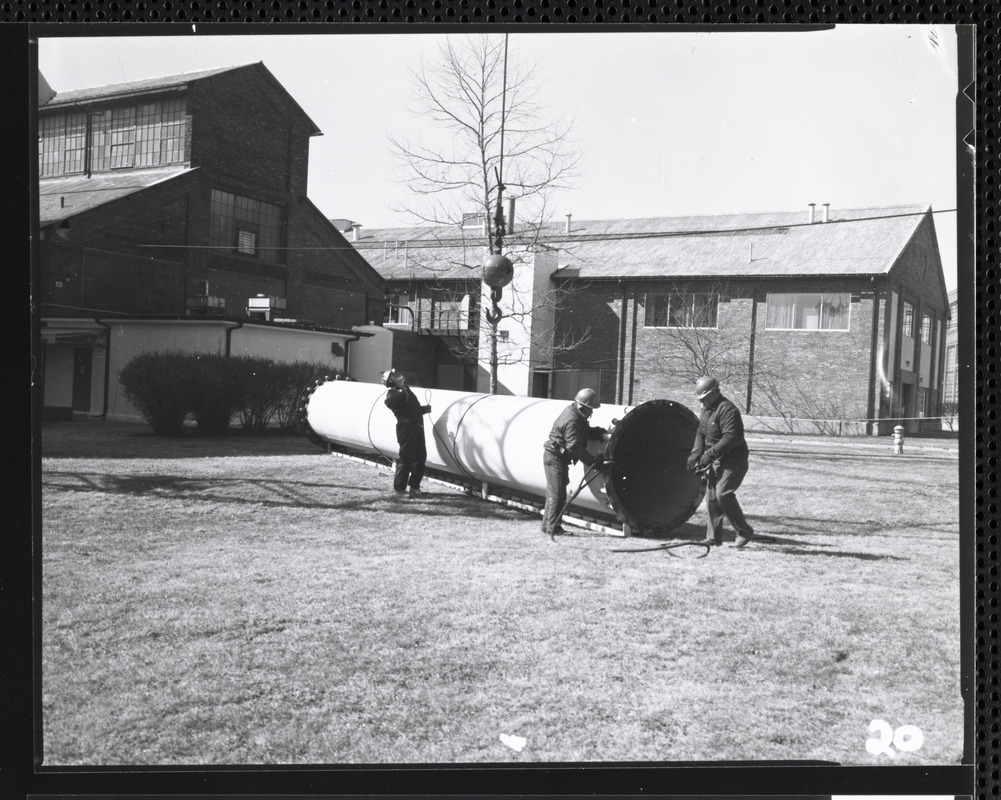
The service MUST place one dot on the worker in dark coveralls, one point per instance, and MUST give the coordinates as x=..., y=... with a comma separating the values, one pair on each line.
x=721, y=452
x=409, y=432
x=566, y=445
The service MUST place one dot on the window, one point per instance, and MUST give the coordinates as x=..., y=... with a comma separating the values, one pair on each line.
x=808, y=311
x=950, y=394
x=908, y=319
x=450, y=313
x=682, y=310
x=246, y=226
x=926, y=328
x=61, y=143
x=160, y=133
x=145, y=135
x=476, y=221
x=123, y=137
x=399, y=310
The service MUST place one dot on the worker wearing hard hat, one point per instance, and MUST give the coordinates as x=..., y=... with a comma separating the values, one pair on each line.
x=566, y=445
x=720, y=452
x=409, y=432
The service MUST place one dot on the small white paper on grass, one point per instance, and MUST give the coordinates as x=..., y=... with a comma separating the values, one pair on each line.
x=514, y=742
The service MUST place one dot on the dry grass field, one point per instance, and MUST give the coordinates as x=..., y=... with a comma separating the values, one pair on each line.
x=253, y=600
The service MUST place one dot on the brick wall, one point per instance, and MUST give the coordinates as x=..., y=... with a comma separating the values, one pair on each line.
x=247, y=138
x=589, y=317
x=249, y=135
x=814, y=374
x=823, y=374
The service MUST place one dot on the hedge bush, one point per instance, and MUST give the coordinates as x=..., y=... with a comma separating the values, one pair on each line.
x=259, y=391
x=216, y=390
x=155, y=384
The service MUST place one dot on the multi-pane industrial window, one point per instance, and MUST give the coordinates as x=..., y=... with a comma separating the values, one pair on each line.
x=123, y=137
x=926, y=328
x=908, y=319
x=247, y=226
x=682, y=310
x=61, y=142
x=818, y=311
x=148, y=135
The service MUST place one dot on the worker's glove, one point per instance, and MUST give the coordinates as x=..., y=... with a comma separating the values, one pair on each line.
x=693, y=462
x=425, y=409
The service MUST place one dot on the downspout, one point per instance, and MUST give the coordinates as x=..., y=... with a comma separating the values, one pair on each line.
x=88, y=143
x=107, y=365
x=187, y=250
x=874, y=359
x=347, y=350
x=620, y=378
x=750, y=352
x=229, y=337
x=632, y=353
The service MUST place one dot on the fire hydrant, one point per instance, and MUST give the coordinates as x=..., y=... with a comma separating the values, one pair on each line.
x=898, y=439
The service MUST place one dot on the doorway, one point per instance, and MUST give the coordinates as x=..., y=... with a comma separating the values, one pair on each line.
x=83, y=360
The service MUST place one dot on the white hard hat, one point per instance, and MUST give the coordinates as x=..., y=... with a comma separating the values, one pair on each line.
x=587, y=397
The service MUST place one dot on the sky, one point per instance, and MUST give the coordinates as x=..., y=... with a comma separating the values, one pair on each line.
x=669, y=123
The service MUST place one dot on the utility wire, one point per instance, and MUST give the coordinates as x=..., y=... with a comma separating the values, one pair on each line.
x=564, y=238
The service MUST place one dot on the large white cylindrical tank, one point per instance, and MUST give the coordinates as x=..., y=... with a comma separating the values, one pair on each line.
x=497, y=440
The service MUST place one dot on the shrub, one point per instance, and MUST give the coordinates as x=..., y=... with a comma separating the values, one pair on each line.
x=297, y=380
x=215, y=390
x=262, y=391
x=156, y=384
x=217, y=386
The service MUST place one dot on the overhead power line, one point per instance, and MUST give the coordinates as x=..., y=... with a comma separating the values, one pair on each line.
x=374, y=244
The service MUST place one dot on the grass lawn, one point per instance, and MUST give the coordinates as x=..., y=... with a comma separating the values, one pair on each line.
x=253, y=600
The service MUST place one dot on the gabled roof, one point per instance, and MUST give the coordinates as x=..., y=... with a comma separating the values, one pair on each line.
x=118, y=90
x=860, y=241
x=63, y=197
x=148, y=86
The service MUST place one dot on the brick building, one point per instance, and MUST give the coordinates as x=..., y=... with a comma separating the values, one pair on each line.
x=950, y=393
x=184, y=198
x=825, y=320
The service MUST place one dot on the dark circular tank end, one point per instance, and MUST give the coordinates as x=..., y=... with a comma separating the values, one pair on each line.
x=651, y=487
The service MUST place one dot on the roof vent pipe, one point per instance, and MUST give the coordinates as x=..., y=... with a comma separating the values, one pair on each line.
x=813, y=208
x=827, y=211
x=355, y=227
x=568, y=222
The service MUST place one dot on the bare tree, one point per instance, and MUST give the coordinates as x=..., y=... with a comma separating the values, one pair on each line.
x=497, y=139
x=699, y=337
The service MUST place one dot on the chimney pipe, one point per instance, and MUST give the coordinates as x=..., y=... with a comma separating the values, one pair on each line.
x=355, y=227
x=568, y=222
x=510, y=215
x=827, y=210
x=813, y=208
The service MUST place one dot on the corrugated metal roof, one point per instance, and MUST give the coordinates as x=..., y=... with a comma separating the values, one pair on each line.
x=861, y=241
x=64, y=197
x=113, y=90
x=120, y=91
